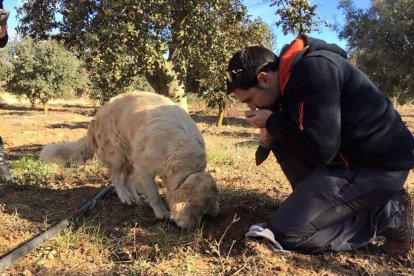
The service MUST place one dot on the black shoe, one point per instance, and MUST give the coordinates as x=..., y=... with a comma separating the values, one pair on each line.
x=4, y=170
x=399, y=240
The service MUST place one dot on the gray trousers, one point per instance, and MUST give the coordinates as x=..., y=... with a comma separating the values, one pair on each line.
x=334, y=209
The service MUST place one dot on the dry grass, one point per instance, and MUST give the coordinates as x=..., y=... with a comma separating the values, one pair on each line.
x=115, y=239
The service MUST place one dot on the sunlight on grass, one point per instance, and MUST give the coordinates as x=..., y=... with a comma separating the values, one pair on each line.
x=89, y=230
x=186, y=265
x=30, y=171
x=409, y=184
x=163, y=242
x=86, y=240
x=79, y=171
x=223, y=151
x=9, y=225
x=138, y=267
x=128, y=240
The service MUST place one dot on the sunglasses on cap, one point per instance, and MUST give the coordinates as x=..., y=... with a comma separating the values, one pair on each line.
x=232, y=75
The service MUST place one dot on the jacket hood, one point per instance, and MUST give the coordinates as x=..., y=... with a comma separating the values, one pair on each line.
x=300, y=46
x=318, y=44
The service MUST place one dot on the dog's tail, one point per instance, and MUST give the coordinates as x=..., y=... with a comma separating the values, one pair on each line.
x=76, y=152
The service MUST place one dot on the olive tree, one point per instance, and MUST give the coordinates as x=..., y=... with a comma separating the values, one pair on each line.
x=381, y=43
x=298, y=16
x=42, y=70
x=122, y=39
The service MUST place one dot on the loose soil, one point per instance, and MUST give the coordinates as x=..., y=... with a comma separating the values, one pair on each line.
x=116, y=239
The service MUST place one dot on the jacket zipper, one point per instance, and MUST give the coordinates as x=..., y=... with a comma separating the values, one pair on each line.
x=345, y=161
x=301, y=107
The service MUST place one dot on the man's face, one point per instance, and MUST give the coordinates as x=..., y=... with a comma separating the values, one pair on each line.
x=262, y=96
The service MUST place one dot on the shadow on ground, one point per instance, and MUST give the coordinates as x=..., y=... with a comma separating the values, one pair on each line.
x=35, y=203
x=25, y=110
x=18, y=108
x=239, y=210
x=70, y=126
x=16, y=153
x=211, y=120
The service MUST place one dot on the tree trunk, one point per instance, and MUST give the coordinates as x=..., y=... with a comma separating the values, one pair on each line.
x=395, y=103
x=46, y=108
x=165, y=82
x=220, y=117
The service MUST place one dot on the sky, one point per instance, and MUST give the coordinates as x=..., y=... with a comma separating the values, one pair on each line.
x=256, y=8
x=11, y=23
x=327, y=9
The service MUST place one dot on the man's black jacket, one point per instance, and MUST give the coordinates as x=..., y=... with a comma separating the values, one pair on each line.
x=332, y=111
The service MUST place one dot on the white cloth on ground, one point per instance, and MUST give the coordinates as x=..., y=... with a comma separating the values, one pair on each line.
x=260, y=231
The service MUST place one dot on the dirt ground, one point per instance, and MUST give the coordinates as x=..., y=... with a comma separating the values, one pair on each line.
x=116, y=239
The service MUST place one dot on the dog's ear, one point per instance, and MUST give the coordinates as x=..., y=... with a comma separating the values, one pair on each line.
x=213, y=211
x=197, y=196
x=178, y=207
x=181, y=210
x=205, y=195
x=214, y=200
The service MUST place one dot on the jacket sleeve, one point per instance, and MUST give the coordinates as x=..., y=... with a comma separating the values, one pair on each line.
x=311, y=128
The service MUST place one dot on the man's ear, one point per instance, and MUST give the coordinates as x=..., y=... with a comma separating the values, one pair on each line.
x=262, y=76
x=267, y=79
x=264, y=79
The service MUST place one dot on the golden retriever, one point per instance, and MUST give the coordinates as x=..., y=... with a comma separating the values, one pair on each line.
x=139, y=136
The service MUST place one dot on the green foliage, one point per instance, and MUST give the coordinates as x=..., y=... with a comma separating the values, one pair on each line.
x=381, y=43
x=3, y=66
x=141, y=84
x=298, y=16
x=138, y=267
x=28, y=171
x=220, y=157
x=219, y=38
x=42, y=70
x=37, y=18
x=163, y=40
x=87, y=229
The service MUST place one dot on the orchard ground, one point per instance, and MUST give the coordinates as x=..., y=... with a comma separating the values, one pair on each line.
x=116, y=239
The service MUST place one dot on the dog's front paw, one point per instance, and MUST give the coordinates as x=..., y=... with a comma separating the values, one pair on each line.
x=125, y=199
x=162, y=213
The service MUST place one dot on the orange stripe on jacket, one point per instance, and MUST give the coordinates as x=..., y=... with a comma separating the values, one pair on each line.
x=286, y=60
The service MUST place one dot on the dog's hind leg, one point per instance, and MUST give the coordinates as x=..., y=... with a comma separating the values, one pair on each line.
x=149, y=188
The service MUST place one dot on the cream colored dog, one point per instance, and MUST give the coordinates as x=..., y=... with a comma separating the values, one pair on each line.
x=142, y=135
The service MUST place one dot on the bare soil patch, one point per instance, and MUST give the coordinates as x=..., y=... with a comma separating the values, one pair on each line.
x=116, y=239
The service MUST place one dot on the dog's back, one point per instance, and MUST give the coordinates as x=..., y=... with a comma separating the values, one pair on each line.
x=141, y=135
x=150, y=127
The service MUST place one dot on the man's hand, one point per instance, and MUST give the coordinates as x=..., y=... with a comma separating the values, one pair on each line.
x=258, y=118
x=3, y=30
x=4, y=15
x=265, y=137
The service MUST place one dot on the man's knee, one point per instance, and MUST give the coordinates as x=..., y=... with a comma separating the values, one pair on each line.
x=289, y=232
x=299, y=240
